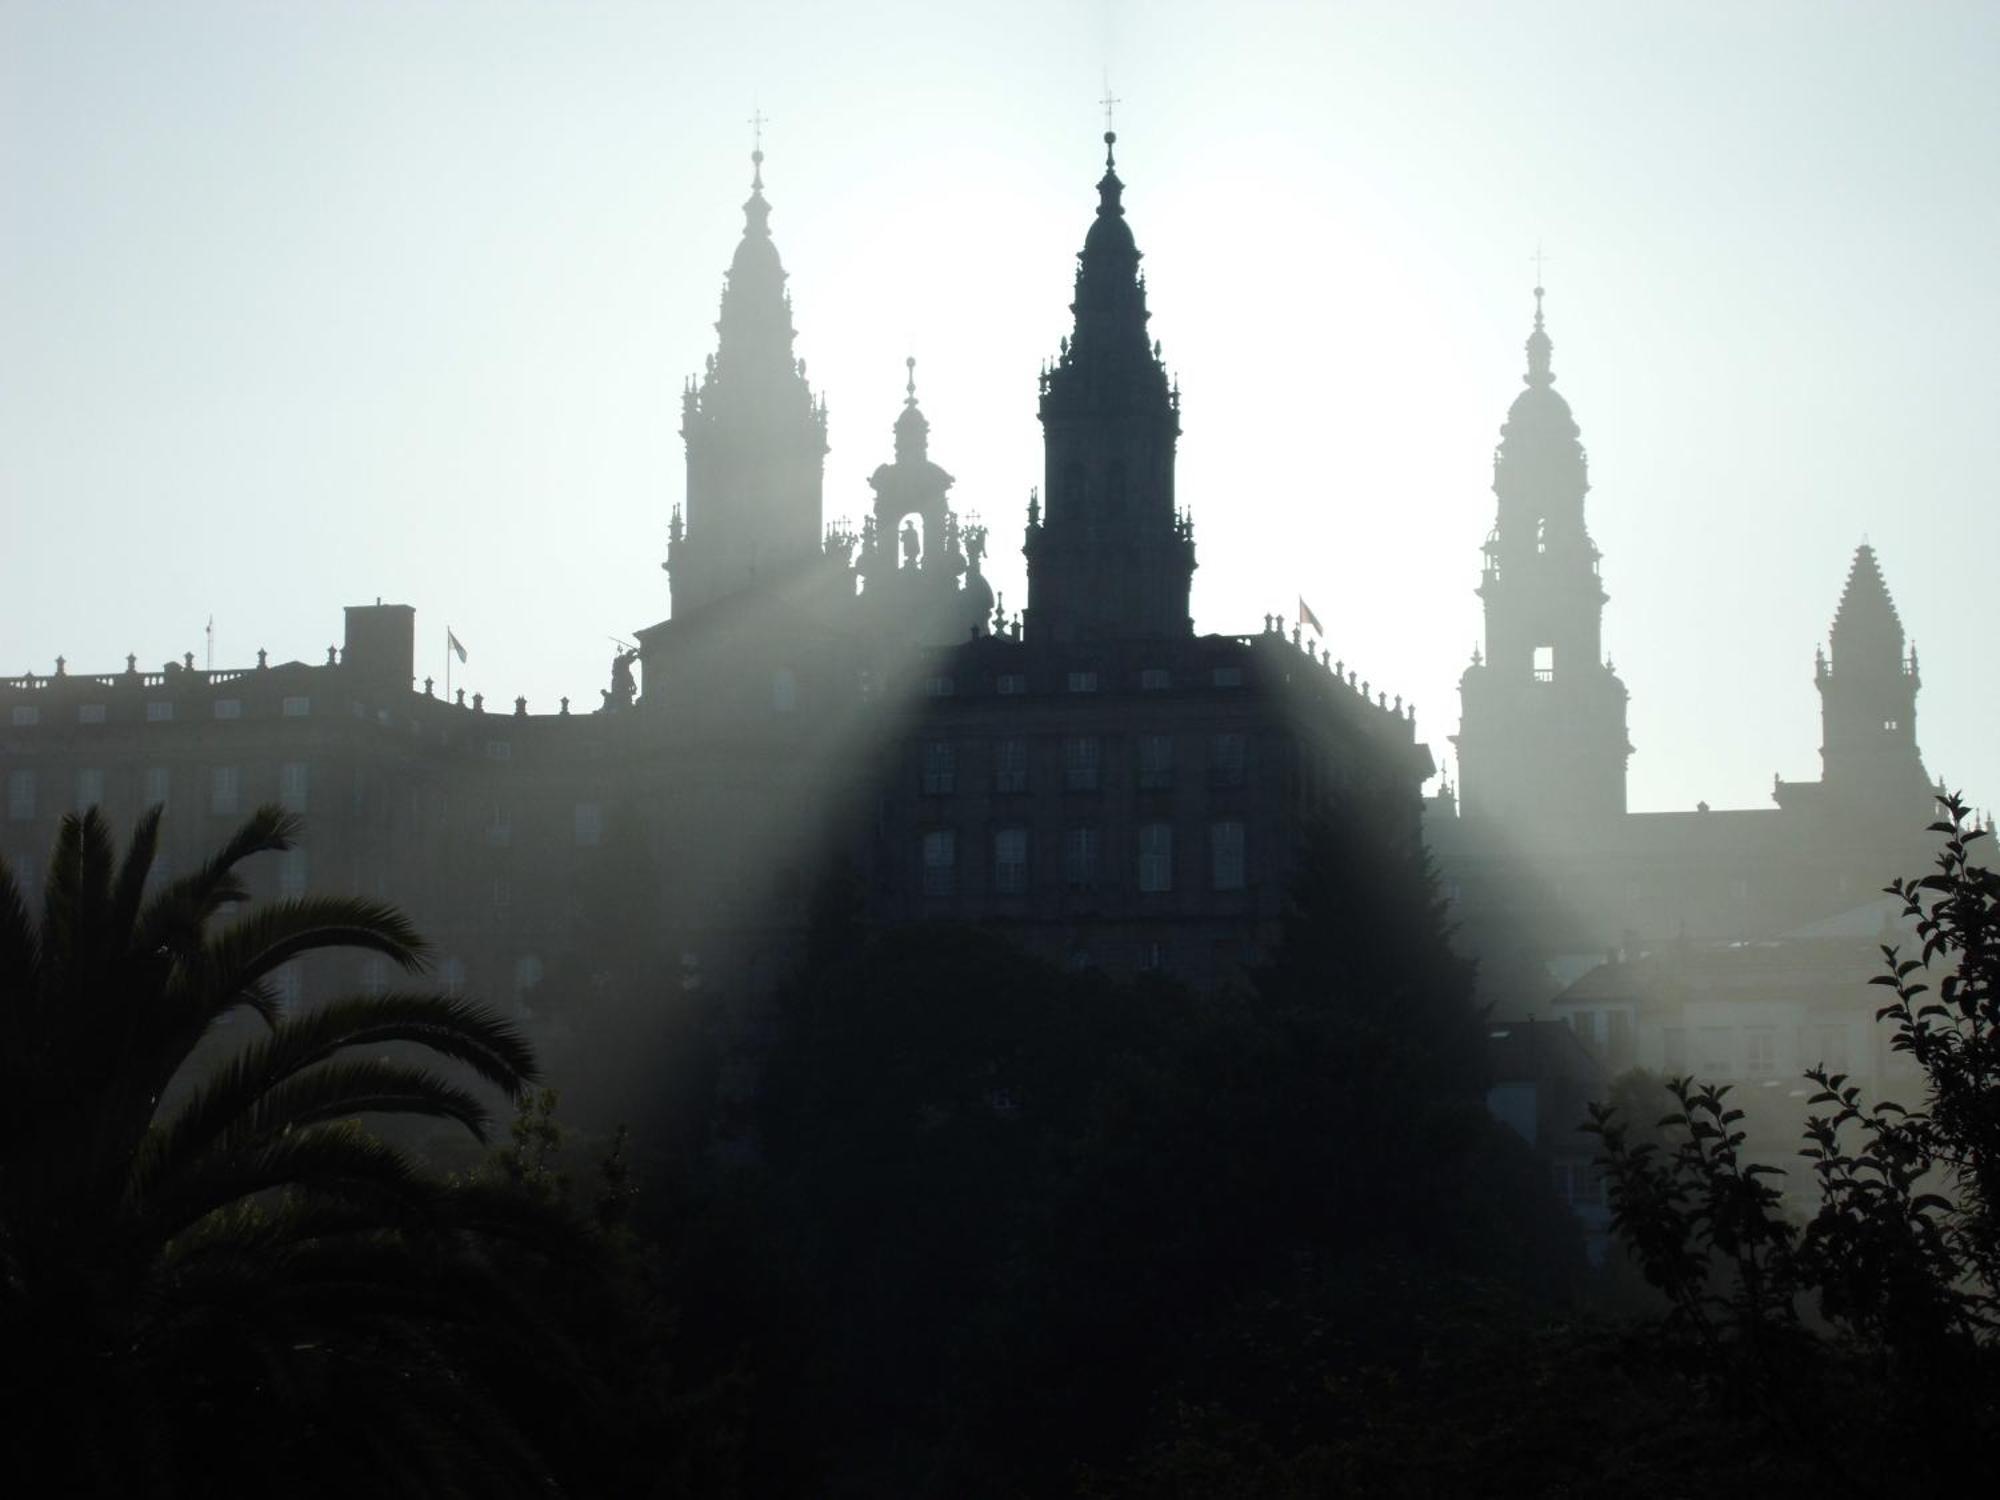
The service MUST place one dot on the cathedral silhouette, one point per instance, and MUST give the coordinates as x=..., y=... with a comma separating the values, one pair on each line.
x=1090, y=776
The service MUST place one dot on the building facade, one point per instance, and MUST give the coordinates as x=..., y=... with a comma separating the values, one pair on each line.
x=1735, y=944
x=1092, y=776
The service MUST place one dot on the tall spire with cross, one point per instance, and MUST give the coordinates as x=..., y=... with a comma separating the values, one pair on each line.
x=755, y=432
x=1542, y=738
x=1111, y=558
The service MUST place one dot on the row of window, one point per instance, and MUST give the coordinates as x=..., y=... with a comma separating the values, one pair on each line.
x=1014, y=684
x=225, y=789
x=586, y=825
x=1083, y=763
x=158, y=711
x=1082, y=858
x=1714, y=1051
x=226, y=799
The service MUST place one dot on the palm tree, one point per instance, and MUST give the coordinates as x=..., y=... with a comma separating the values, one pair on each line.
x=207, y=1266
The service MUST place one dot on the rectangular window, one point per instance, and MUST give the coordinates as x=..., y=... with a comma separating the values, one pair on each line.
x=159, y=713
x=1080, y=857
x=1674, y=1051
x=229, y=708
x=1011, y=684
x=1545, y=664
x=1156, y=856
x=1080, y=763
x=26, y=714
x=157, y=783
x=21, y=796
x=1156, y=761
x=90, y=713
x=1717, y=1056
x=499, y=750
x=1010, y=861
x=1760, y=1052
x=1155, y=679
x=297, y=708
x=89, y=789
x=1225, y=855
x=1083, y=682
x=1618, y=1045
x=294, y=781
x=940, y=686
x=292, y=874
x=1833, y=1053
x=1226, y=759
x=589, y=824
x=1227, y=677
x=225, y=790
x=1010, y=765
x=500, y=827
x=940, y=768
x=527, y=973
x=940, y=862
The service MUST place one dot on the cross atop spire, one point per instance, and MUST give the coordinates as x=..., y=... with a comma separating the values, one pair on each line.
x=1540, y=259
x=910, y=389
x=1110, y=103
x=757, y=121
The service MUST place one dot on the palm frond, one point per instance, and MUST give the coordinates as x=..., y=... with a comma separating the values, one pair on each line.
x=174, y=919
x=129, y=891
x=452, y=1028
x=339, y=1160
x=20, y=957
x=230, y=971
x=344, y=1087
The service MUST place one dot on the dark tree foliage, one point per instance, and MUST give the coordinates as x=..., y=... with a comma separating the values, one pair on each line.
x=212, y=1280
x=1022, y=1219
x=1868, y=1337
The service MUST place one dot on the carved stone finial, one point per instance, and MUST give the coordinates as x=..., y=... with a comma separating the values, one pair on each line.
x=429, y=684
x=565, y=708
x=479, y=703
x=520, y=708
x=263, y=660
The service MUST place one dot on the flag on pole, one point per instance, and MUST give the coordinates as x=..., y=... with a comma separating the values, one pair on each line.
x=1307, y=617
x=457, y=647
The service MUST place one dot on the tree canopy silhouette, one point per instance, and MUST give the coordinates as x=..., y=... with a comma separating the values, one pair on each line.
x=208, y=1270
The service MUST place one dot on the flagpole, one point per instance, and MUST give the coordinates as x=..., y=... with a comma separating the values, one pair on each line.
x=447, y=664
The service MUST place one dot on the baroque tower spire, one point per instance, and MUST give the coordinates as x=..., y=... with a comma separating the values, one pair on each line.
x=1542, y=732
x=1110, y=558
x=755, y=433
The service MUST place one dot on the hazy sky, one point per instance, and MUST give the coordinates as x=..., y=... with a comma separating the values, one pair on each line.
x=302, y=304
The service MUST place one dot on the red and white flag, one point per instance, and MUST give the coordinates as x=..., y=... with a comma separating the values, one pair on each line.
x=457, y=646
x=1307, y=617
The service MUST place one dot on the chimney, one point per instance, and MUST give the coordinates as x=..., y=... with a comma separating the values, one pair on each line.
x=381, y=651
